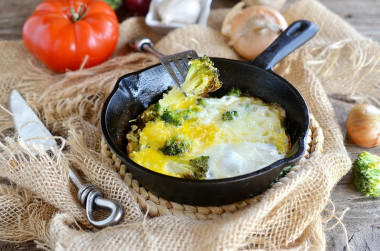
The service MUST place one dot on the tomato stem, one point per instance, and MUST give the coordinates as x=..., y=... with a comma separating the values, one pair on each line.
x=76, y=16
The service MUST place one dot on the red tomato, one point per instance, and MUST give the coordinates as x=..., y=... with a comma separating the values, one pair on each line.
x=63, y=33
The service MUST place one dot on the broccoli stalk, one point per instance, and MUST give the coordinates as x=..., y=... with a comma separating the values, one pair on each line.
x=366, y=174
x=201, y=78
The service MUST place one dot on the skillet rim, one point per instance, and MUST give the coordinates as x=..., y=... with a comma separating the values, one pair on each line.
x=279, y=163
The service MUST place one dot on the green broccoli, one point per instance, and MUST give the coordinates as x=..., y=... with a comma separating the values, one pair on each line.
x=234, y=92
x=366, y=174
x=282, y=174
x=177, y=117
x=115, y=4
x=176, y=146
x=201, y=102
x=199, y=167
x=193, y=169
x=229, y=115
x=151, y=113
x=171, y=117
x=201, y=78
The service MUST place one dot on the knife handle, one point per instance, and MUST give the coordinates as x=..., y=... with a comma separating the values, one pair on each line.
x=90, y=198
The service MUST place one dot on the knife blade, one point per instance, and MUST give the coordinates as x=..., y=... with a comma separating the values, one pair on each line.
x=27, y=123
x=33, y=132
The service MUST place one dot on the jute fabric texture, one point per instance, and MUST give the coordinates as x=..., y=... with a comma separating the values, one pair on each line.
x=38, y=202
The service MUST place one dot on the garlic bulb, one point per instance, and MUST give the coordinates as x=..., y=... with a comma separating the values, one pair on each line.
x=179, y=11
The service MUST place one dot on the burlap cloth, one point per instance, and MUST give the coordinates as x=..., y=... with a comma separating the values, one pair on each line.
x=39, y=202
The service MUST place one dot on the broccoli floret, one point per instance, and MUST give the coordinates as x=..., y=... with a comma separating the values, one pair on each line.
x=366, y=174
x=176, y=146
x=115, y=4
x=193, y=169
x=201, y=78
x=200, y=102
x=282, y=174
x=171, y=117
x=151, y=113
x=234, y=92
x=229, y=115
x=177, y=117
x=198, y=167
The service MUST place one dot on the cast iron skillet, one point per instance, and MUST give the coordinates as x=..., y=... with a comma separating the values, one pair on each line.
x=134, y=92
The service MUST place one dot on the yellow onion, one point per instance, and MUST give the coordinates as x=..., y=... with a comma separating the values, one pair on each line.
x=277, y=4
x=251, y=29
x=363, y=125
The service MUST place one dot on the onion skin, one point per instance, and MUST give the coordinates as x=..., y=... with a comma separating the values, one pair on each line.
x=276, y=4
x=363, y=125
x=247, y=37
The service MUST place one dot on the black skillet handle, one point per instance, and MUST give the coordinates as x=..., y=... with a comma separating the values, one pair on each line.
x=290, y=39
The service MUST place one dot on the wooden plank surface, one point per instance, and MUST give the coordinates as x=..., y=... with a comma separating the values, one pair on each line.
x=362, y=220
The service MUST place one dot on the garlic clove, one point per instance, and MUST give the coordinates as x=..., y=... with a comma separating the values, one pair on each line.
x=254, y=29
x=179, y=11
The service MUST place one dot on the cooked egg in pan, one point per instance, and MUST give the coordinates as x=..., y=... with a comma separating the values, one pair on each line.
x=211, y=138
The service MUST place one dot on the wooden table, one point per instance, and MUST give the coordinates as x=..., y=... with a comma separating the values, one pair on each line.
x=362, y=220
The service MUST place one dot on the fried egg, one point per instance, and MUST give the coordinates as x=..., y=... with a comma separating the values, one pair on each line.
x=231, y=135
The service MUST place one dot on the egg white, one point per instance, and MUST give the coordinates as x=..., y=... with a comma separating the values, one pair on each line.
x=234, y=159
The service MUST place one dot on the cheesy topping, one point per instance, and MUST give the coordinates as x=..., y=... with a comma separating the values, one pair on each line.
x=231, y=135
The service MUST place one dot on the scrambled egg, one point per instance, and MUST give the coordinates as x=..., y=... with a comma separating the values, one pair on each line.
x=234, y=135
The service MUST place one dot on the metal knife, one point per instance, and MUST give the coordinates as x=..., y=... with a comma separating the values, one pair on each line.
x=32, y=131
